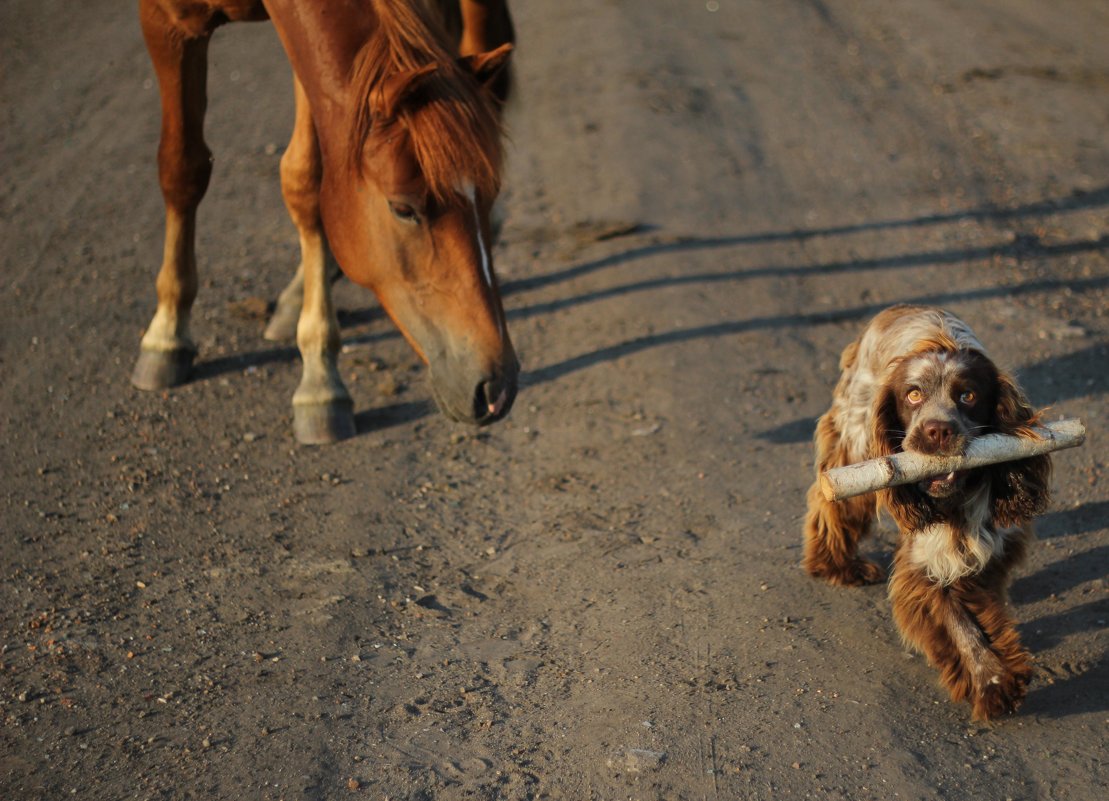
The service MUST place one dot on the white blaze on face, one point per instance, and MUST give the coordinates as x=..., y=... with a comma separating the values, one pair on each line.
x=467, y=191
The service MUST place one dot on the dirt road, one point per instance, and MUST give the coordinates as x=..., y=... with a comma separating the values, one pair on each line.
x=600, y=597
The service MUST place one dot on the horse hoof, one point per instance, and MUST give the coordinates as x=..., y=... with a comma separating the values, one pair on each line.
x=161, y=369
x=282, y=326
x=319, y=424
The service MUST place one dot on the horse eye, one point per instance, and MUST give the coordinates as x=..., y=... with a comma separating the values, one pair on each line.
x=914, y=396
x=968, y=398
x=404, y=212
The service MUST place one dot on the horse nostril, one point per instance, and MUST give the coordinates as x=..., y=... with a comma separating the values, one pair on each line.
x=492, y=399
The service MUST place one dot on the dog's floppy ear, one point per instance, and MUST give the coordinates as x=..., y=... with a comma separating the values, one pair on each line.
x=1013, y=414
x=903, y=502
x=887, y=430
x=1018, y=490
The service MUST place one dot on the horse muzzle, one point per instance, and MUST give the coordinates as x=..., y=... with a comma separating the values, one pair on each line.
x=478, y=402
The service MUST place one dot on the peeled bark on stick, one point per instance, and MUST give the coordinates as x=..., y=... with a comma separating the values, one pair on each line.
x=905, y=468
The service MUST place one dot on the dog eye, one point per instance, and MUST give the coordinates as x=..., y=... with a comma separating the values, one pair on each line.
x=914, y=396
x=968, y=398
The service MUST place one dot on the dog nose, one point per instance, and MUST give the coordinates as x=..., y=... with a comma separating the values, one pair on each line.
x=938, y=433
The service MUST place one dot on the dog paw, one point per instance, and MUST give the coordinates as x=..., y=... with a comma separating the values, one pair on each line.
x=855, y=573
x=1002, y=694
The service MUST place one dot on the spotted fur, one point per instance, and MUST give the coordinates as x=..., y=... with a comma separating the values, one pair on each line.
x=918, y=379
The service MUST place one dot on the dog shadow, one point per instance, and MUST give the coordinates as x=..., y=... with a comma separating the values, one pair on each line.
x=1072, y=689
x=1070, y=522
x=1050, y=630
x=1077, y=568
x=1072, y=696
x=800, y=430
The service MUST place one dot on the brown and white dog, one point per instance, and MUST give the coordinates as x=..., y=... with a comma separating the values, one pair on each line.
x=919, y=380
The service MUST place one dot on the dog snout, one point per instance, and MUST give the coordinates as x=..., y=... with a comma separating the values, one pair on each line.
x=938, y=435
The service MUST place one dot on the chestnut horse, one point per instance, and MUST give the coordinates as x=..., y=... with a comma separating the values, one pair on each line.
x=395, y=154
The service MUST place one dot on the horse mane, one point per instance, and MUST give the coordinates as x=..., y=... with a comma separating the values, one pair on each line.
x=451, y=121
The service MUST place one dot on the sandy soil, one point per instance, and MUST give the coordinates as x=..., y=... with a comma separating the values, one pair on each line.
x=600, y=597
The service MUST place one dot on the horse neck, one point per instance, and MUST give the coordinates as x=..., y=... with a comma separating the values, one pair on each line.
x=322, y=41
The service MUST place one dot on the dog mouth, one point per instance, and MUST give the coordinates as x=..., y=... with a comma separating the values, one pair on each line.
x=943, y=486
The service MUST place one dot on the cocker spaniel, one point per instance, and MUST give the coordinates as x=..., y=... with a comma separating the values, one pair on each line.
x=918, y=379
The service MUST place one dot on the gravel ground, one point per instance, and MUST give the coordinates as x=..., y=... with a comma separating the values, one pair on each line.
x=598, y=598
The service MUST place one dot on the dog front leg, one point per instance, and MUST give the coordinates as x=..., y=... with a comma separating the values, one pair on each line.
x=965, y=632
x=833, y=528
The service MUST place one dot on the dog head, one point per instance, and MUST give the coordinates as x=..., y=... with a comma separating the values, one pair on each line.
x=935, y=401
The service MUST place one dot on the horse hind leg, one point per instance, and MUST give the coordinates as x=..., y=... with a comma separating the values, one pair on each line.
x=184, y=167
x=322, y=407
x=300, y=181
x=282, y=326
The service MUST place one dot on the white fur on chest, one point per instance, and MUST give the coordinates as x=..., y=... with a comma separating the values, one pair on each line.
x=948, y=552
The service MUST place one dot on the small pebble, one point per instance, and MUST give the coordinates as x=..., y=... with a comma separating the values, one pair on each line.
x=634, y=760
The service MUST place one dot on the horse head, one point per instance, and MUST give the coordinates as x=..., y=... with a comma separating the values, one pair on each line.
x=410, y=220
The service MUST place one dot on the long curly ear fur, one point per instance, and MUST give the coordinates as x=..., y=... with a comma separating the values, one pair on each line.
x=886, y=435
x=886, y=431
x=1018, y=490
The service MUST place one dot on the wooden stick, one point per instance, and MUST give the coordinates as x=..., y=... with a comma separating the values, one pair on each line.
x=905, y=468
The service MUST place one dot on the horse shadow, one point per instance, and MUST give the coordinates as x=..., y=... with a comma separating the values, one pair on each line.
x=365, y=422
x=369, y=421
x=1022, y=247
x=1075, y=201
x=1081, y=379
x=859, y=313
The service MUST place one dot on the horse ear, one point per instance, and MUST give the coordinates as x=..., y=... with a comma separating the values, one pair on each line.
x=487, y=66
x=394, y=90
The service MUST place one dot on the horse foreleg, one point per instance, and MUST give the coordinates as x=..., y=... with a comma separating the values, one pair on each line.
x=184, y=167
x=322, y=407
